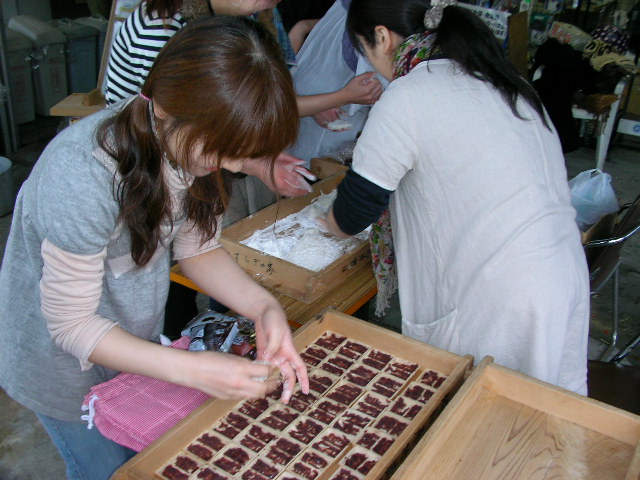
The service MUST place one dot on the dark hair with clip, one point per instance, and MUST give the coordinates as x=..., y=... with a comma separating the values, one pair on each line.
x=461, y=37
x=227, y=94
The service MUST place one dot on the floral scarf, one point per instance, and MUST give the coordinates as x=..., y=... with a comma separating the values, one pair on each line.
x=415, y=49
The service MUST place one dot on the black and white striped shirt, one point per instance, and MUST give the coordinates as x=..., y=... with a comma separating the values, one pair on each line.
x=134, y=50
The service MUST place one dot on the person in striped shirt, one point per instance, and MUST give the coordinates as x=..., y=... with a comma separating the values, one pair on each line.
x=154, y=22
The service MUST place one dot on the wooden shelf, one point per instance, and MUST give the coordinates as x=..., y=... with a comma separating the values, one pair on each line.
x=73, y=106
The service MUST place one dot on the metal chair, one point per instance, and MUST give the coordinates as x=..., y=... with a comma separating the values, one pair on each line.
x=603, y=257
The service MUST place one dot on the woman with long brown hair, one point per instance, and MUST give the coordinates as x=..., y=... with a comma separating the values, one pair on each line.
x=88, y=251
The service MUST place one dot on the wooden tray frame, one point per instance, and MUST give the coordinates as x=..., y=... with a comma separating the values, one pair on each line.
x=447, y=437
x=144, y=465
x=326, y=167
x=285, y=277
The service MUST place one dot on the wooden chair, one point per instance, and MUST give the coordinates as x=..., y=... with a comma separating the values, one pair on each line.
x=603, y=257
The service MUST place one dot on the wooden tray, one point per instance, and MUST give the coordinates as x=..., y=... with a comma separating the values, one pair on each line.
x=326, y=167
x=280, y=275
x=147, y=463
x=502, y=424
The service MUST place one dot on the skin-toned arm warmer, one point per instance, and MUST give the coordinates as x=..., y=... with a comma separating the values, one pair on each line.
x=70, y=291
x=189, y=244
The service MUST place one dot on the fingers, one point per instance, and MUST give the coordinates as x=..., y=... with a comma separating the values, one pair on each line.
x=305, y=173
x=366, y=78
x=301, y=372
x=293, y=176
x=301, y=187
x=322, y=223
x=254, y=380
x=289, y=159
x=261, y=345
x=371, y=88
x=288, y=380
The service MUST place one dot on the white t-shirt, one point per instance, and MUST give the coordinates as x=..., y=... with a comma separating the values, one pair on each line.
x=488, y=252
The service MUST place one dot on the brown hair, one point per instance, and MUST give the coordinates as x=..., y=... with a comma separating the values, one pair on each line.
x=164, y=8
x=225, y=88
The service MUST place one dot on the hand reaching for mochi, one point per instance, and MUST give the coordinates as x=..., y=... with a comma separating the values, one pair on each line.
x=291, y=177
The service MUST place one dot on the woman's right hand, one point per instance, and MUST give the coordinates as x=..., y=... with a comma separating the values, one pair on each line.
x=364, y=89
x=325, y=118
x=227, y=376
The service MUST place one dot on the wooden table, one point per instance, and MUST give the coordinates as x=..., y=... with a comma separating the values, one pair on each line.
x=347, y=297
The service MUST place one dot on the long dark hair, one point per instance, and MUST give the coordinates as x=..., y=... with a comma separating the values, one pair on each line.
x=461, y=37
x=227, y=94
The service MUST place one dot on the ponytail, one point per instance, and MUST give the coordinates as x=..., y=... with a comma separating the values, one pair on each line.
x=467, y=40
x=141, y=191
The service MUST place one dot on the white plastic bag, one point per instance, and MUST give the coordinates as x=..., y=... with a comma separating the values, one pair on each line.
x=592, y=196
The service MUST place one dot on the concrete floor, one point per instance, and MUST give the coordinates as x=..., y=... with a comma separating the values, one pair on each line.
x=25, y=449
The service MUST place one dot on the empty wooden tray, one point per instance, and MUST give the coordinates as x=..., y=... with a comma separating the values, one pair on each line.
x=502, y=424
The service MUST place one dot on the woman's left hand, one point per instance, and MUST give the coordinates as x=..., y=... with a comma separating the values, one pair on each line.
x=275, y=345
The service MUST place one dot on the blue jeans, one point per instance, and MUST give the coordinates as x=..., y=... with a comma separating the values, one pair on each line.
x=87, y=454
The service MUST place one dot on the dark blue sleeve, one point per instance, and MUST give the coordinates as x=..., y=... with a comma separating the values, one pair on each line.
x=359, y=203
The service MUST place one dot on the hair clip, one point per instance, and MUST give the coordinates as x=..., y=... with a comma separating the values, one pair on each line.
x=433, y=15
x=144, y=96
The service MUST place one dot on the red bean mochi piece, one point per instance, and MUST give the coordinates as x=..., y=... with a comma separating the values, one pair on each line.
x=361, y=375
x=210, y=474
x=266, y=468
x=377, y=359
x=432, y=378
x=401, y=368
x=320, y=381
x=372, y=404
x=375, y=440
x=254, y=408
x=301, y=402
x=330, y=340
x=352, y=422
x=392, y=424
x=305, y=430
x=212, y=440
x=418, y=392
x=386, y=385
x=406, y=408
x=331, y=443
x=345, y=393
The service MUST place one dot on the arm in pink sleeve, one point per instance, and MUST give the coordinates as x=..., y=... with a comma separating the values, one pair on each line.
x=70, y=291
x=188, y=242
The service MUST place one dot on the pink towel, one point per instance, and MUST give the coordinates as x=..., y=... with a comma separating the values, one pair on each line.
x=134, y=410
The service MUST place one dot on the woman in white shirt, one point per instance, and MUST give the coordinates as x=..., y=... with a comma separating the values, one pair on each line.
x=488, y=254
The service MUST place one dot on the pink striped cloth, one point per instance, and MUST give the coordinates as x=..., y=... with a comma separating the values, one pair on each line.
x=134, y=410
